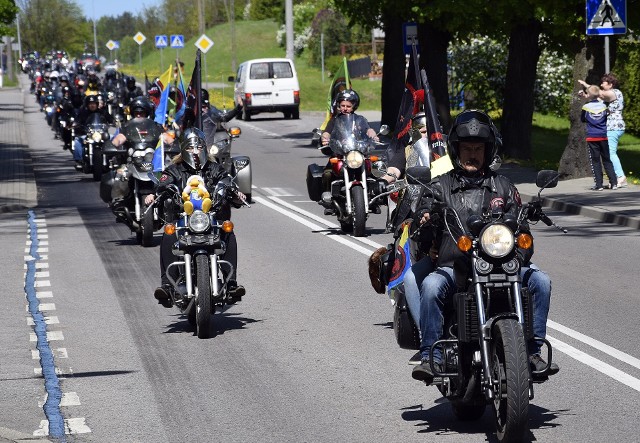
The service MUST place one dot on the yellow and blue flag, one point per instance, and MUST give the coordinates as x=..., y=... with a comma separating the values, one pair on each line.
x=402, y=261
x=163, y=82
x=158, y=156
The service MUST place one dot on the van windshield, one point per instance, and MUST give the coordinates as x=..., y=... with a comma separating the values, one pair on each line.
x=268, y=70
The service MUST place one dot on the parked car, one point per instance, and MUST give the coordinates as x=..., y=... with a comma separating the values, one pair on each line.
x=267, y=85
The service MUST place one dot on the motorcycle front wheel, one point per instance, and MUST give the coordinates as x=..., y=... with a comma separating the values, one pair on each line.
x=96, y=168
x=510, y=367
x=203, y=296
x=359, y=213
x=146, y=225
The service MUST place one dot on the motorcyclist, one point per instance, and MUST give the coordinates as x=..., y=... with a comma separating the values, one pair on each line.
x=133, y=90
x=346, y=102
x=91, y=106
x=471, y=188
x=193, y=160
x=141, y=108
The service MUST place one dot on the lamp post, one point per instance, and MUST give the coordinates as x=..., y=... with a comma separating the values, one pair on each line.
x=95, y=39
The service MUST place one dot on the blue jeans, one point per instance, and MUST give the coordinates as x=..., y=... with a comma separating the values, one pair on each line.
x=440, y=284
x=613, y=137
x=412, y=283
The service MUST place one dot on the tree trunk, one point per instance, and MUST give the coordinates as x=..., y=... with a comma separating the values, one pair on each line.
x=393, y=69
x=588, y=65
x=517, y=114
x=433, y=58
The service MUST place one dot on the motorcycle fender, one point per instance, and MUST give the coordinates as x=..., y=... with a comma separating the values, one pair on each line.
x=242, y=164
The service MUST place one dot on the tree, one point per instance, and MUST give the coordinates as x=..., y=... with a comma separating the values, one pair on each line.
x=8, y=11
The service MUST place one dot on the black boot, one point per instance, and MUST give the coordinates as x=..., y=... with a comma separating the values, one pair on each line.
x=163, y=295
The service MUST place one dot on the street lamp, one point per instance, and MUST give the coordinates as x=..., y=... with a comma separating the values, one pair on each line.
x=95, y=39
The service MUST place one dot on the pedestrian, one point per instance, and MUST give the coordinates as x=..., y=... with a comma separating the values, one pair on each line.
x=613, y=98
x=594, y=114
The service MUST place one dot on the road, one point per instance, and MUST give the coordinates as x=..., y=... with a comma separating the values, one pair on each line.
x=309, y=355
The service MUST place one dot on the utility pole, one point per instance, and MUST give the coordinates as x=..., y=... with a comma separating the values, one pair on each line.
x=232, y=19
x=288, y=20
x=95, y=39
x=201, y=17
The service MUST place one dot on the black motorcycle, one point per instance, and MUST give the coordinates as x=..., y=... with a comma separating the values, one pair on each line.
x=203, y=275
x=490, y=319
x=96, y=132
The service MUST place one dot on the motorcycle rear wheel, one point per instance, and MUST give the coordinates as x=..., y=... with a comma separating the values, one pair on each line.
x=511, y=367
x=203, y=296
x=359, y=213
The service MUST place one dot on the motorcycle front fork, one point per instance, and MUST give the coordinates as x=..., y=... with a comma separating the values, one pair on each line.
x=348, y=184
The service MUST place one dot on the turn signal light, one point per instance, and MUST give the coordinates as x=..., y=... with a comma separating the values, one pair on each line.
x=373, y=158
x=333, y=160
x=234, y=131
x=524, y=241
x=227, y=226
x=464, y=243
x=169, y=229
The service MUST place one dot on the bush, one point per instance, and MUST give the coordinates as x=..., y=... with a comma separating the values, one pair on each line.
x=628, y=71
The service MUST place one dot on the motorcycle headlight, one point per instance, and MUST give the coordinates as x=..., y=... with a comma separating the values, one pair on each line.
x=199, y=221
x=354, y=159
x=96, y=137
x=214, y=150
x=497, y=240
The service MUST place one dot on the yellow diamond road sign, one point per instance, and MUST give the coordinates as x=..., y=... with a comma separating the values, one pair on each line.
x=111, y=45
x=139, y=38
x=204, y=43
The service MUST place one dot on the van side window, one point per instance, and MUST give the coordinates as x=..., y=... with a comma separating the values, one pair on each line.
x=282, y=70
x=259, y=71
x=239, y=76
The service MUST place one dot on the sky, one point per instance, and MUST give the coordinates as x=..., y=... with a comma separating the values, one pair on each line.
x=114, y=7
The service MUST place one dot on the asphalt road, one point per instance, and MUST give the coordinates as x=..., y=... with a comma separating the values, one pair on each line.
x=309, y=355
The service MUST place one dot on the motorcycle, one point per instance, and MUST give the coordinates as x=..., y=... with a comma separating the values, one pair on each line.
x=488, y=322
x=202, y=275
x=97, y=133
x=130, y=183
x=352, y=183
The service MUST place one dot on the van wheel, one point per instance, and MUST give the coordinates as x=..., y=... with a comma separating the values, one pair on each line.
x=246, y=114
x=295, y=114
x=287, y=114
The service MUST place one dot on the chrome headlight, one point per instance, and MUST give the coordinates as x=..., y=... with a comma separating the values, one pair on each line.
x=199, y=221
x=213, y=150
x=96, y=136
x=497, y=240
x=355, y=159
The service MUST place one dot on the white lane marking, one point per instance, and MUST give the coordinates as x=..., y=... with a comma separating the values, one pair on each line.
x=57, y=353
x=39, y=250
x=53, y=320
x=325, y=222
x=38, y=371
x=41, y=243
x=626, y=358
x=281, y=192
x=30, y=258
x=68, y=399
x=39, y=274
x=596, y=364
x=593, y=362
x=313, y=226
x=71, y=426
x=269, y=133
x=44, y=294
x=38, y=265
x=51, y=336
x=41, y=283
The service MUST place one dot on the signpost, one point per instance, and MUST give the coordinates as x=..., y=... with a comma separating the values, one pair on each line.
x=204, y=43
x=606, y=17
x=409, y=33
x=139, y=38
x=111, y=45
x=161, y=42
x=177, y=41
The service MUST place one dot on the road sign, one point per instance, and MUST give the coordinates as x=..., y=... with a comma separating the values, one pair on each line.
x=606, y=17
x=139, y=38
x=177, y=41
x=204, y=43
x=161, y=41
x=409, y=33
x=112, y=44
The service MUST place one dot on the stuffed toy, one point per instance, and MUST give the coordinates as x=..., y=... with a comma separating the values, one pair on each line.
x=195, y=195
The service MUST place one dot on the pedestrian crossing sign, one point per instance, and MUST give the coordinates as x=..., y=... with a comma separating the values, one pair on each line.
x=177, y=41
x=606, y=17
x=161, y=41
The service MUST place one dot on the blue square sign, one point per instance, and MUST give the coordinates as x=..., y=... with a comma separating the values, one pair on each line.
x=161, y=41
x=606, y=17
x=177, y=41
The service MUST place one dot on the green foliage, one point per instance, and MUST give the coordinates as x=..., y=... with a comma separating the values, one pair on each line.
x=267, y=9
x=628, y=70
x=553, y=83
x=336, y=32
x=8, y=11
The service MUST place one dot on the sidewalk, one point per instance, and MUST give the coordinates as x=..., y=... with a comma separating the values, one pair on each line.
x=18, y=190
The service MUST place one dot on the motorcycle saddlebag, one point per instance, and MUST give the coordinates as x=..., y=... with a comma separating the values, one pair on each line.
x=106, y=184
x=314, y=181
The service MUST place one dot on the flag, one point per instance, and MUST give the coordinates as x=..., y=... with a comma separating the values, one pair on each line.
x=163, y=83
x=180, y=99
x=412, y=99
x=340, y=82
x=402, y=261
x=434, y=129
x=158, y=156
x=193, y=114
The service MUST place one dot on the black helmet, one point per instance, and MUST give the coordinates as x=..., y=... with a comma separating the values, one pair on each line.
x=93, y=98
x=93, y=80
x=473, y=126
x=204, y=97
x=131, y=82
x=143, y=104
x=418, y=121
x=193, y=148
x=64, y=78
x=349, y=95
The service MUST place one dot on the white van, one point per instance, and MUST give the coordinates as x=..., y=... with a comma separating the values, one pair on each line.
x=268, y=85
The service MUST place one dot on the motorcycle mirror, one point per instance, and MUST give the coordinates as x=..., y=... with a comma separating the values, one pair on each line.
x=547, y=178
x=231, y=78
x=378, y=169
x=384, y=130
x=418, y=175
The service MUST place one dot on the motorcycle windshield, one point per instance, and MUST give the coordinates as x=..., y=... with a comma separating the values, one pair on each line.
x=97, y=122
x=142, y=131
x=350, y=134
x=420, y=154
